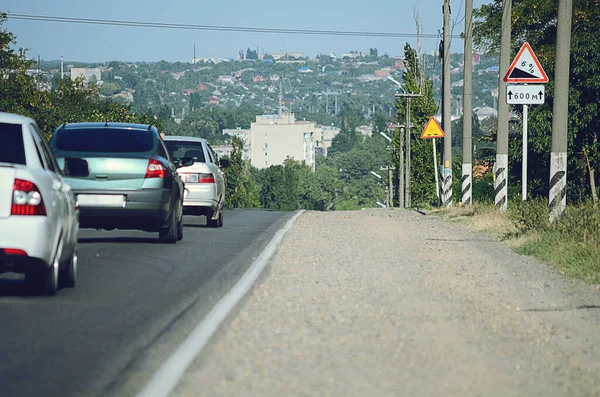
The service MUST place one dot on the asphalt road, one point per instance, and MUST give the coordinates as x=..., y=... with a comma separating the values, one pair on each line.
x=131, y=291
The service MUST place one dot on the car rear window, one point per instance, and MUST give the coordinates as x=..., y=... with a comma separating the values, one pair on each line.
x=104, y=140
x=12, y=149
x=179, y=149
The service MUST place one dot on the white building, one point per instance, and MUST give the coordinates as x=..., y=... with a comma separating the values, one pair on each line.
x=88, y=74
x=274, y=138
x=244, y=135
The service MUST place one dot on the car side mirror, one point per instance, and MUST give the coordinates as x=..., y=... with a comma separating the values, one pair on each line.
x=185, y=162
x=224, y=163
x=75, y=167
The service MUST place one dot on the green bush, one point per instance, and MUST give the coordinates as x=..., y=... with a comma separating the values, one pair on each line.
x=529, y=215
x=580, y=224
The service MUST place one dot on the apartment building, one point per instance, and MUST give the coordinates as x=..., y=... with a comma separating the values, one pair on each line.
x=244, y=135
x=273, y=138
x=323, y=138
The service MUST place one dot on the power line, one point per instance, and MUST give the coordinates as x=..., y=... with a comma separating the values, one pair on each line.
x=161, y=25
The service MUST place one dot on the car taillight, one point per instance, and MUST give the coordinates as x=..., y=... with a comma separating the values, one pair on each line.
x=27, y=199
x=13, y=251
x=206, y=178
x=155, y=169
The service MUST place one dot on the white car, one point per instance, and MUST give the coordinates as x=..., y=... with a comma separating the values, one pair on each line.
x=204, y=192
x=39, y=220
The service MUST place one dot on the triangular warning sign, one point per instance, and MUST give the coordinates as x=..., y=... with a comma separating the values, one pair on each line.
x=526, y=68
x=433, y=130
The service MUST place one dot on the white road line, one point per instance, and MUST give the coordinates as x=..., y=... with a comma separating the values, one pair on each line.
x=168, y=375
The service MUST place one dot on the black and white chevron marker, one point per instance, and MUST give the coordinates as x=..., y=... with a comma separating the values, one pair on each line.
x=447, y=188
x=501, y=182
x=467, y=184
x=557, y=200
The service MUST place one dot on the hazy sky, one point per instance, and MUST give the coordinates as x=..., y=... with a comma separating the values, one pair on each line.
x=93, y=43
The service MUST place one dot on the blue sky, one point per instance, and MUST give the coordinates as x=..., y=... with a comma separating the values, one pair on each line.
x=92, y=43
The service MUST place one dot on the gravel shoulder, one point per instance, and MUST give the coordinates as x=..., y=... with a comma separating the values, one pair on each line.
x=389, y=303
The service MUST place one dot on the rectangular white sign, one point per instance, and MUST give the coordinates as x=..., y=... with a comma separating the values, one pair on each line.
x=519, y=94
x=101, y=200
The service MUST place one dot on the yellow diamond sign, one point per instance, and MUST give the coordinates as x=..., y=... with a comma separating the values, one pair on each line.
x=433, y=130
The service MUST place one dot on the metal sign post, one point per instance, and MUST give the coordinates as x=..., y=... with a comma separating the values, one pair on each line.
x=525, y=95
x=525, y=150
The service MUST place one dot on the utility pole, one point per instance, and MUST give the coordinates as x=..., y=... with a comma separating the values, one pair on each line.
x=501, y=166
x=446, y=113
x=467, y=166
x=401, y=168
x=39, y=76
x=408, y=172
x=407, y=139
x=62, y=67
x=390, y=188
x=558, y=157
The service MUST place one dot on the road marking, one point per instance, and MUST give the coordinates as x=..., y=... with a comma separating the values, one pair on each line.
x=166, y=378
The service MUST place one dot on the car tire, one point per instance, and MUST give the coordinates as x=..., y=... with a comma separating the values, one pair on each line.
x=168, y=235
x=180, y=227
x=220, y=220
x=68, y=277
x=212, y=222
x=51, y=280
x=43, y=282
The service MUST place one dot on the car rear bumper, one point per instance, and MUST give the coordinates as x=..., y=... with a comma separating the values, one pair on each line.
x=146, y=209
x=32, y=234
x=201, y=195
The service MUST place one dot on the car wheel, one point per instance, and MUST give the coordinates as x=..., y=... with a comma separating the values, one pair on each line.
x=220, y=220
x=51, y=281
x=180, y=227
x=168, y=234
x=212, y=222
x=68, y=277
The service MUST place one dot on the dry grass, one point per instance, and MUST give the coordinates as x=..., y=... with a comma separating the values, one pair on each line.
x=481, y=218
x=571, y=244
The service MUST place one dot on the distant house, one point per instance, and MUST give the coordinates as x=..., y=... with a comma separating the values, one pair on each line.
x=382, y=73
x=485, y=112
x=202, y=87
x=225, y=79
x=305, y=70
x=258, y=79
x=493, y=69
x=213, y=100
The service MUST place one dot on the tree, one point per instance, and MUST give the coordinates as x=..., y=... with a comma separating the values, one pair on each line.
x=241, y=191
x=534, y=21
x=349, y=120
x=422, y=108
x=251, y=54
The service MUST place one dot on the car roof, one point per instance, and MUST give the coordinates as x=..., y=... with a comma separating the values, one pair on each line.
x=11, y=118
x=184, y=138
x=86, y=125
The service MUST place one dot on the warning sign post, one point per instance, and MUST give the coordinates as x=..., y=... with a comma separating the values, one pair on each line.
x=525, y=69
